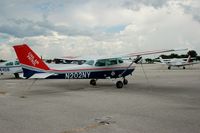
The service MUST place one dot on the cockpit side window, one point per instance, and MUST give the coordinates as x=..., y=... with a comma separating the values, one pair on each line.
x=9, y=64
x=101, y=62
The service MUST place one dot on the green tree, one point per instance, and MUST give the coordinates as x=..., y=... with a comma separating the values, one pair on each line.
x=148, y=60
x=2, y=60
x=192, y=53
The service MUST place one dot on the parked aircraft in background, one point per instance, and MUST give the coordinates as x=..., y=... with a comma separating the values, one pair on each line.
x=70, y=60
x=94, y=68
x=178, y=62
x=11, y=67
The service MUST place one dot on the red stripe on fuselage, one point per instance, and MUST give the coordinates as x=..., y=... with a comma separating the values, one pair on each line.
x=76, y=70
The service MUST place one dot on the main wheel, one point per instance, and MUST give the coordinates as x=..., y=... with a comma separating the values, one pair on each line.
x=125, y=81
x=169, y=67
x=93, y=82
x=183, y=67
x=16, y=75
x=119, y=84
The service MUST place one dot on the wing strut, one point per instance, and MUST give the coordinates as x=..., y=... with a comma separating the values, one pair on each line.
x=133, y=61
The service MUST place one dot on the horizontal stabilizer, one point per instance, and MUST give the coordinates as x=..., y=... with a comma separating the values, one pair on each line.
x=40, y=75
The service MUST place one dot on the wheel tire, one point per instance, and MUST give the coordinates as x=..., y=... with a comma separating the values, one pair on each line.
x=93, y=82
x=169, y=67
x=16, y=75
x=125, y=81
x=119, y=84
x=183, y=67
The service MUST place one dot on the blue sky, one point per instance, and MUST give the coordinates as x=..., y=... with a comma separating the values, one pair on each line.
x=85, y=27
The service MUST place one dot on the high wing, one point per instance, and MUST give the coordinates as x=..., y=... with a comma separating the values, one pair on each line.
x=152, y=52
x=127, y=55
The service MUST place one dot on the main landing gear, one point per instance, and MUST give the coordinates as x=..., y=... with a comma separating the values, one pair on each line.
x=16, y=75
x=119, y=84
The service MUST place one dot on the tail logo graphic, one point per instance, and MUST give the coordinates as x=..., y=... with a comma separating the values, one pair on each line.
x=32, y=59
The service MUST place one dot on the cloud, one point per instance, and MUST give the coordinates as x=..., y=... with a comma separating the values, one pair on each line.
x=192, y=7
x=69, y=27
x=67, y=17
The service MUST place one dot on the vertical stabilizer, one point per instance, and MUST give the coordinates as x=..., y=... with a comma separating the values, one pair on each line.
x=30, y=61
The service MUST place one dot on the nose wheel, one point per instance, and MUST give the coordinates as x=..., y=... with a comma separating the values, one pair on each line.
x=119, y=84
x=93, y=82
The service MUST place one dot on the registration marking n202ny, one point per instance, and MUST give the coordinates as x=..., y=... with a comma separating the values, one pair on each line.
x=77, y=75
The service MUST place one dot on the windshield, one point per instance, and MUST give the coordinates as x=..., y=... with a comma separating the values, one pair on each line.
x=120, y=61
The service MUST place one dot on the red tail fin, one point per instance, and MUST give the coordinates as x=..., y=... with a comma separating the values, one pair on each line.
x=28, y=57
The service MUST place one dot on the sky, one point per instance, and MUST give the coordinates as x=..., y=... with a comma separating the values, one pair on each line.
x=98, y=27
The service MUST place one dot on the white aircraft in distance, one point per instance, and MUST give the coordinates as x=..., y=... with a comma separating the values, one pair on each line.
x=94, y=69
x=178, y=62
x=11, y=67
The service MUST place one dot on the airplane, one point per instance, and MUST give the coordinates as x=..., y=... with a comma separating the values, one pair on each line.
x=11, y=67
x=178, y=62
x=113, y=67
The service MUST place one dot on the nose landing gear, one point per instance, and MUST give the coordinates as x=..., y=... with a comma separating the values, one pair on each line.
x=120, y=84
x=93, y=82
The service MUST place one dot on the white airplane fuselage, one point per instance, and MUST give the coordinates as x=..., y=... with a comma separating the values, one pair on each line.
x=92, y=69
x=11, y=67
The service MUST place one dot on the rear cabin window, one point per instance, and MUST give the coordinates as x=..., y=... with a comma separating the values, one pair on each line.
x=9, y=64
